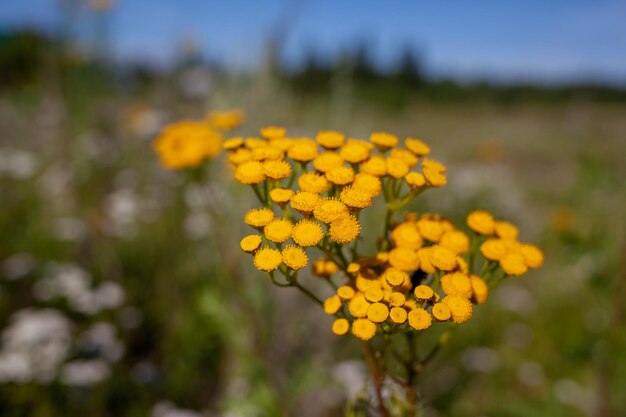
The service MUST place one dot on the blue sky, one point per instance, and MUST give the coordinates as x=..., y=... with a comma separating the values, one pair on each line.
x=546, y=40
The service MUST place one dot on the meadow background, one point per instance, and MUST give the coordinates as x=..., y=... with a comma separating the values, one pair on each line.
x=122, y=288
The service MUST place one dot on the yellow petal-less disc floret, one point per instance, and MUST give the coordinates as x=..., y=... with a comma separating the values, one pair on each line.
x=345, y=292
x=533, y=256
x=441, y=312
x=457, y=284
x=375, y=166
x=384, y=140
x=307, y=233
x=354, y=152
x=258, y=217
x=377, y=312
x=340, y=175
x=513, y=264
x=294, y=257
x=304, y=202
x=226, y=119
x=332, y=304
x=443, y=258
x=358, y=305
x=344, y=230
x=330, y=209
x=403, y=259
x=186, y=144
x=493, y=249
x=424, y=257
x=313, y=183
x=398, y=315
x=430, y=229
x=340, y=327
x=330, y=139
x=278, y=230
x=506, y=230
x=327, y=161
x=434, y=172
x=303, y=150
x=324, y=268
x=374, y=294
x=480, y=290
x=273, y=132
x=367, y=183
x=416, y=146
x=267, y=153
x=254, y=143
x=424, y=293
x=363, y=329
x=455, y=240
x=267, y=259
x=405, y=156
x=415, y=179
x=250, y=243
x=460, y=308
x=281, y=195
x=355, y=198
x=232, y=144
x=249, y=173
x=240, y=156
x=397, y=299
x=481, y=222
x=406, y=235
x=394, y=276
x=276, y=170
x=396, y=168
x=419, y=319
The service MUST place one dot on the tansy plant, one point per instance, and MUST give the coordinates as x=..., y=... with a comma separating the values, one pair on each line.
x=425, y=272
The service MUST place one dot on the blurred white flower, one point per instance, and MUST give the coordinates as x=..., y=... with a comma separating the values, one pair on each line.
x=531, y=374
x=17, y=164
x=18, y=266
x=481, y=359
x=85, y=372
x=167, y=409
x=352, y=375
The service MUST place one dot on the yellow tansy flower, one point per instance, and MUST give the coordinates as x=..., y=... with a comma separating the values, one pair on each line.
x=419, y=319
x=506, y=230
x=457, y=284
x=443, y=258
x=232, y=144
x=455, y=240
x=332, y=304
x=416, y=146
x=405, y=156
x=330, y=209
x=281, y=195
x=186, y=144
x=533, y=256
x=481, y=222
x=330, y=139
x=398, y=315
x=403, y=259
x=249, y=173
x=363, y=329
x=375, y=166
x=377, y=312
x=340, y=175
x=267, y=259
x=258, y=217
x=303, y=150
x=424, y=293
x=415, y=179
x=340, y=327
x=493, y=249
x=354, y=152
x=345, y=292
x=294, y=257
x=304, y=201
x=355, y=198
x=384, y=140
x=345, y=229
x=460, y=308
x=513, y=264
x=250, y=243
x=327, y=161
x=278, y=230
x=480, y=290
x=276, y=170
x=368, y=183
x=406, y=235
x=313, y=183
x=273, y=132
x=396, y=168
x=441, y=312
x=307, y=233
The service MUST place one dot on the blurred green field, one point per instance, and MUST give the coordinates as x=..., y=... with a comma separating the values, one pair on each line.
x=197, y=328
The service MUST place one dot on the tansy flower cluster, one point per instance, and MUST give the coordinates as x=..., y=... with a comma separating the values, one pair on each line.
x=312, y=193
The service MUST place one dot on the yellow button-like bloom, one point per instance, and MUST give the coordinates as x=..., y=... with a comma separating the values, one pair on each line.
x=355, y=198
x=424, y=257
x=358, y=305
x=307, y=233
x=460, y=308
x=443, y=258
x=406, y=235
x=250, y=243
x=398, y=315
x=332, y=304
x=330, y=209
x=493, y=249
x=396, y=168
x=397, y=299
x=232, y=144
x=457, y=284
x=276, y=170
x=281, y=143
x=506, y=230
x=226, y=119
x=345, y=292
x=374, y=294
x=455, y=240
x=267, y=153
x=416, y=146
x=324, y=268
x=303, y=150
x=354, y=152
x=281, y=195
x=240, y=156
x=258, y=217
x=363, y=329
x=304, y=201
x=415, y=179
x=255, y=143
x=340, y=327
x=313, y=183
x=368, y=183
x=430, y=229
x=327, y=161
x=533, y=256
x=294, y=257
x=434, y=172
x=404, y=259
x=424, y=293
x=267, y=259
x=377, y=312
x=441, y=312
x=345, y=229
x=376, y=166
x=405, y=156
x=187, y=144
x=394, y=277
x=480, y=290
x=481, y=222
x=419, y=319
x=250, y=173
x=273, y=132
x=513, y=264
x=278, y=230
x=330, y=139
x=340, y=175
x=384, y=140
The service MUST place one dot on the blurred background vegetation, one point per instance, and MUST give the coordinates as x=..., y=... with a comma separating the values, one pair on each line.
x=122, y=289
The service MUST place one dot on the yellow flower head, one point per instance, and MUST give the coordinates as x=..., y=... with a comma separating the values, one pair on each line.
x=424, y=293
x=324, y=268
x=358, y=305
x=341, y=327
x=493, y=249
x=506, y=230
x=250, y=243
x=332, y=304
x=416, y=146
x=397, y=299
x=377, y=312
x=398, y=315
x=278, y=230
x=443, y=258
x=267, y=259
x=419, y=319
x=430, y=229
x=330, y=139
x=227, y=119
x=405, y=156
x=425, y=260
x=267, y=153
x=415, y=179
x=255, y=143
x=340, y=175
x=249, y=173
x=273, y=132
x=186, y=144
x=276, y=170
x=384, y=140
x=354, y=151
x=395, y=277
x=304, y=201
x=441, y=312
x=434, y=172
x=480, y=290
x=307, y=233
x=457, y=284
x=481, y=222
x=396, y=168
x=258, y=217
x=281, y=143
x=513, y=264
x=455, y=240
x=281, y=195
x=303, y=150
x=232, y=144
x=345, y=229
x=376, y=166
x=533, y=256
x=240, y=156
x=368, y=183
x=345, y=292
x=330, y=209
x=363, y=329
x=313, y=183
x=294, y=257
x=355, y=198
x=374, y=295
x=327, y=161
x=403, y=259
x=460, y=308
x=406, y=235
